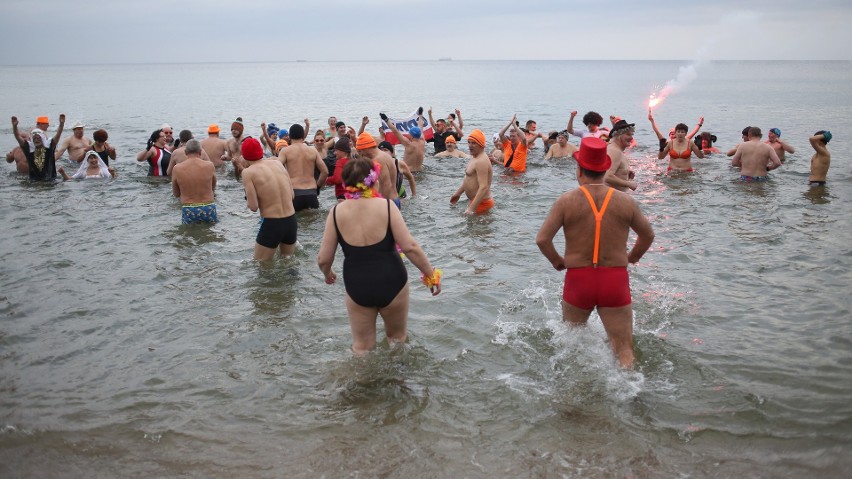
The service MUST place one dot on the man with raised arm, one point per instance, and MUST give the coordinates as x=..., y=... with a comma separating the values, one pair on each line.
x=440, y=131
x=41, y=154
x=821, y=159
x=414, y=148
x=476, y=184
x=780, y=147
x=592, y=120
x=596, y=220
x=515, y=146
x=77, y=144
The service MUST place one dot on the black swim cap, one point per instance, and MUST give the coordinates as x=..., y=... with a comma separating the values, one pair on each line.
x=297, y=132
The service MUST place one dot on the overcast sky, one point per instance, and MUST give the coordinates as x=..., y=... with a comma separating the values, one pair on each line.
x=169, y=31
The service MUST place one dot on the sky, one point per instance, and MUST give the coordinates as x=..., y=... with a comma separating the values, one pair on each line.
x=51, y=32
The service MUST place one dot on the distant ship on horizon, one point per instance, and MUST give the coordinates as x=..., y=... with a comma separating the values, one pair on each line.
x=445, y=59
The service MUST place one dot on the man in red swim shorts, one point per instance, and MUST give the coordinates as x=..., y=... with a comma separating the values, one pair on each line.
x=596, y=220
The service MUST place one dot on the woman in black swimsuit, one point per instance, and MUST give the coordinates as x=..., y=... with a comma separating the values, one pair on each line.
x=367, y=227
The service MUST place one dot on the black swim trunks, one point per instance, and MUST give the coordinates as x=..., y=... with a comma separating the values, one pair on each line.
x=305, y=199
x=816, y=183
x=275, y=231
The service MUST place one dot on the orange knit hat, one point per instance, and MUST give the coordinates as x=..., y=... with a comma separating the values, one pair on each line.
x=365, y=141
x=476, y=136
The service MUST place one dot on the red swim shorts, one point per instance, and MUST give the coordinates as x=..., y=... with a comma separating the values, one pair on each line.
x=604, y=287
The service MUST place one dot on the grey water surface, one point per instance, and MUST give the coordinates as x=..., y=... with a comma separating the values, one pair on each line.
x=131, y=345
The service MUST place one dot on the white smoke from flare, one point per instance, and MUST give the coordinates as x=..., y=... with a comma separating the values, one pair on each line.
x=687, y=74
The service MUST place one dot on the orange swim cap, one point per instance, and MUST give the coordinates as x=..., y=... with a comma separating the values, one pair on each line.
x=476, y=136
x=214, y=128
x=42, y=119
x=450, y=139
x=365, y=141
x=280, y=143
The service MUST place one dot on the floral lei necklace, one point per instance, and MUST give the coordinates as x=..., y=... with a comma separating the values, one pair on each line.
x=365, y=189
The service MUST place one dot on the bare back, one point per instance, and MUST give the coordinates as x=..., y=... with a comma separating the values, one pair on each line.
x=414, y=153
x=301, y=160
x=195, y=180
x=754, y=157
x=268, y=189
x=17, y=155
x=214, y=147
x=578, y=223
x=364, y=221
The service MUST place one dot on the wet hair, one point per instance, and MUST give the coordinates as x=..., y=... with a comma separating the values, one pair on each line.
x=755, y=132
x=192, y=146
x=441, y=120
x=355, y=171
x=319, y=133
x=452, y=115
x=709, y=138
x=100, y=136
x=339, y=124
x=297, y=132
x=553, y=135
x=185, y=135
x=745, y=130
x=681, y=127
x=153, y=138
x=592, y=174
x=592, y=118
x=530, y=122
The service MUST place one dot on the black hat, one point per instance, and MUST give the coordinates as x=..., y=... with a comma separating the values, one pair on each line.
x=620, y=125
x=343, y=145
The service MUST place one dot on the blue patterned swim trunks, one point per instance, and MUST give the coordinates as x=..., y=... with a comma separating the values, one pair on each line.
x=199, y=213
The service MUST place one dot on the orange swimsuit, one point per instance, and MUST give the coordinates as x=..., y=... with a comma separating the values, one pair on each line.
x=684, y=155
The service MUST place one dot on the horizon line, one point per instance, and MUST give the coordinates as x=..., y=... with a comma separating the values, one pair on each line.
x=437, y=60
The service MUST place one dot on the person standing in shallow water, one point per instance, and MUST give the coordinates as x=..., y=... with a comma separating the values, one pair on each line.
x=41, y=155
x=376, y=281
x=476, y=184
x=780, y=147
x=754, y=158
x=821, y=159
x=596, y=219
x=268, y=189
x=194, y=182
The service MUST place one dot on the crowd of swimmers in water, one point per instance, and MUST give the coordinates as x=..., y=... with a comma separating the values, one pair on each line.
x=284, y=170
